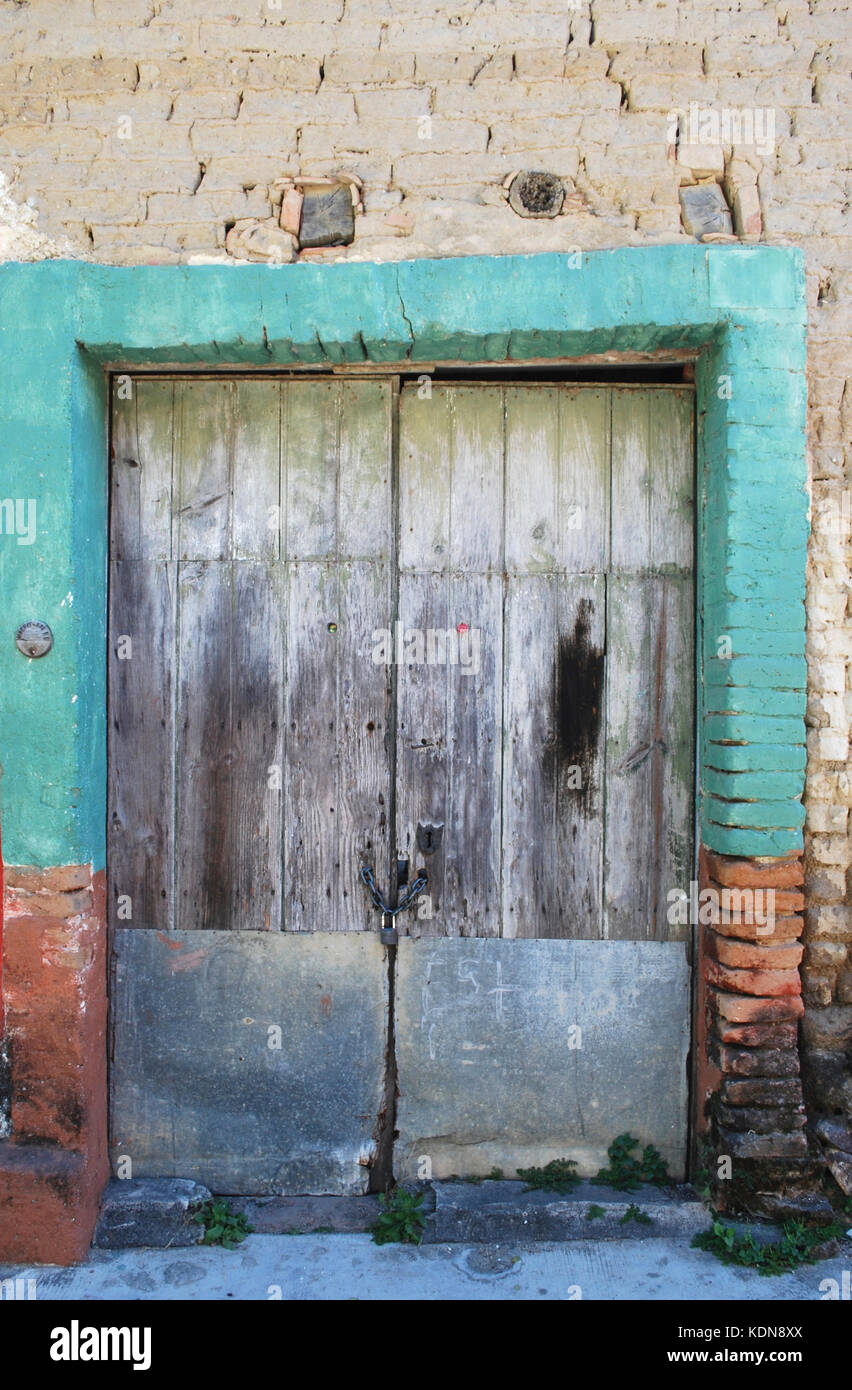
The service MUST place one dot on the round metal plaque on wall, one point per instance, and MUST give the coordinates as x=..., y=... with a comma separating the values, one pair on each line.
x=34, y=638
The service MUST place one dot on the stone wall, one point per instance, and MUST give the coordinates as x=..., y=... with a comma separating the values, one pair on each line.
x=159, y=131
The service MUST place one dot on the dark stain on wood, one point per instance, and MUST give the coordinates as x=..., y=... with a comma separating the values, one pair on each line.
x=578, y=697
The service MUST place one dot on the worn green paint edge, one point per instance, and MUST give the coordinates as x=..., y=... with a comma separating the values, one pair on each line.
x=742, y=309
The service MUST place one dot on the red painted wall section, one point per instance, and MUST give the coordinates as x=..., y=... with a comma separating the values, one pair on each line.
x=54, y=985
x=2, y=916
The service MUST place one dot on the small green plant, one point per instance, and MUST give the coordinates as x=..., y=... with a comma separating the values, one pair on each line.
x=496, y=1175
x=400, y=1218
x=625, y=1172
x=635, y=1213
x=594, y=1212
x=796, y=1246
x=556, y=1176
x=221, y=1225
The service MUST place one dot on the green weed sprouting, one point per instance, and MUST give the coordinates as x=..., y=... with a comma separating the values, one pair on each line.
x=796, y=1246
x=625, y=1173
x=635, y=1213
x=400, y=1218
x=556, y=1176
x=221, y=1225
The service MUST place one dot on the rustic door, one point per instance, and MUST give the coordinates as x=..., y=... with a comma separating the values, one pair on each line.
x=443, y=630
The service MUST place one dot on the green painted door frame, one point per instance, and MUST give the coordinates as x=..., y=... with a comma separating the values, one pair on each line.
x=741, y=310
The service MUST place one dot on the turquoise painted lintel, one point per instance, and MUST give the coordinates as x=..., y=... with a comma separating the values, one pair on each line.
x=740, y=309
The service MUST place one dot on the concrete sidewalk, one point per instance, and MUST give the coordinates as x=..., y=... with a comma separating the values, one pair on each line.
x=351, y=1267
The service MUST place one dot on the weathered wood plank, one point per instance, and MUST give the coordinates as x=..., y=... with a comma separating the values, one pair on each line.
x=310, y=446
x=422, y=748
x=475, y=536
x=674, y=833
x=255, y=811
x=256, y=472
x=673, y=492
x=629, y=756
x=557, y=523
x=204, y=875
x=473, y=848
x=650, y=642
x=631, y=480
x=204, y=454
x=141, y=742
x=451, y=478
x=364, y=526
x=229, y=741
x=229, y=817
x=141, y=470
x=449, y=747
x=584, y=479
x=337, y=783
x=557, y=479
x=365, y=470
x=364, y=732
x=312, y=753
x=533, y=524
x=425, y=479
x=528, y=746
x=449, y=741
x=649, y=752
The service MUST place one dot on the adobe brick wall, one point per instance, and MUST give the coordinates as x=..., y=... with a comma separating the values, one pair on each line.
x=54, y=1165
x=431, y=106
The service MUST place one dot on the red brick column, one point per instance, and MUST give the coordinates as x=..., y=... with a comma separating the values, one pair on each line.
x=750, y=1101
x=54, y=1165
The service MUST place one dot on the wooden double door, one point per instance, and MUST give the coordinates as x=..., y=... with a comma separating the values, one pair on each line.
x=439, y=626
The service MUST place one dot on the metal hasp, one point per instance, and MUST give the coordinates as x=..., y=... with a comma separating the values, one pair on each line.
x=34, y=638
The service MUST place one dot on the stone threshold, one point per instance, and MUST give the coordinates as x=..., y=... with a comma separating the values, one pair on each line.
x=158, y=1212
